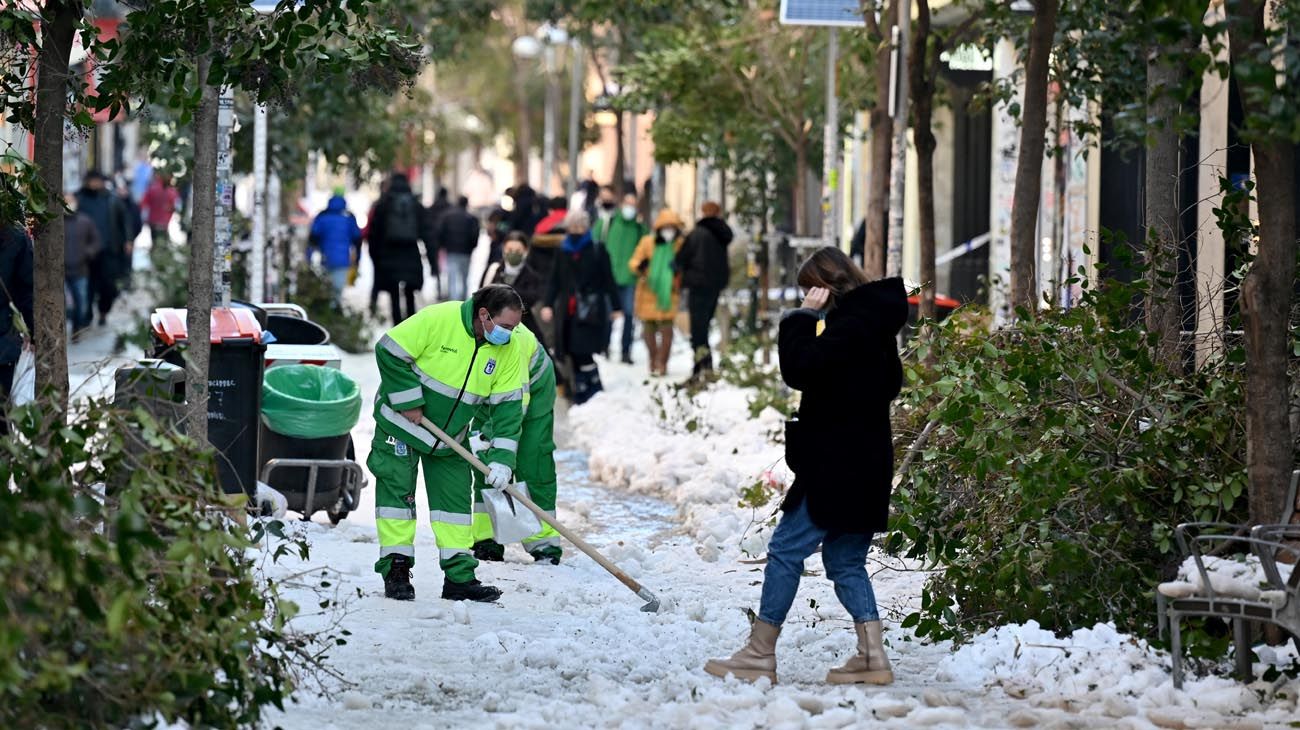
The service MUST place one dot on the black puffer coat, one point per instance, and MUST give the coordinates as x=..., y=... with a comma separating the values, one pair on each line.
x=582, y=294
x=841, y=448
x=702, y=261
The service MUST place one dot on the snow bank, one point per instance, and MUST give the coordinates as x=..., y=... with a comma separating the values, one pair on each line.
x=702, y=471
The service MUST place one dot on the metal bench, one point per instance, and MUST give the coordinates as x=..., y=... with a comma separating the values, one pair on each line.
x=1278, y=603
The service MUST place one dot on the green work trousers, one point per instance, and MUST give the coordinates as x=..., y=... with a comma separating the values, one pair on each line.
x=451, y=487
x=536, y=469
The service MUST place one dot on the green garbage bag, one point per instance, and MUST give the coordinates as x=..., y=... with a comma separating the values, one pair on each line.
x=309, y=401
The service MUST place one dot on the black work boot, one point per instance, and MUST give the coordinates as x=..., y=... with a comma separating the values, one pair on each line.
x=397, y=584
x=471, y=591
x=490, y=551
x=549, y=554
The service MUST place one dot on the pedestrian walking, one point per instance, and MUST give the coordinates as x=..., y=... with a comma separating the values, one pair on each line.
x=159, y=207
x=110, y=217
x=535, y=465
x=450, y=363
x=524, y=212
x=658, y=287
x=578, y=301
x=81, y=245
x=620, y=235
x=841, y=452
x=606, y=207
x=518, y=272
x=457, y=234
x=16, y=289
x=395, y=233
x=335, y=235
x=556, y=210
x=705, y=269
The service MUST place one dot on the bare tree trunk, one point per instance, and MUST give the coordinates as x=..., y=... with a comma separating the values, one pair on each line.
x=1163, y=308
x=882, y=157
x=58, y=24
x=800, y=211
x=620, y=161
x=1267, y=291
x=923, y=137
x=1029, y=165
x=202, y=262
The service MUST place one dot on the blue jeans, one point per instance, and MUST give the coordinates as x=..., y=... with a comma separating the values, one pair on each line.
x=627, y=298
x=79, y=313
x=844, y=556
x=457, y=276
x=339, y=281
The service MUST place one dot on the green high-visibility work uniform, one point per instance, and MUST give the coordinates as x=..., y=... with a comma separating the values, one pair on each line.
x=434, y=362
x=536, y=460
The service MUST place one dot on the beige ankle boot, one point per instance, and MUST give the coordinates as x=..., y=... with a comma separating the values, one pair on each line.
x=869, y=665
x=756, y=659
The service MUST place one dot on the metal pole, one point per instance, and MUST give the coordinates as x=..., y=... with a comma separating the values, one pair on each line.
x=257, y=267
x=629, y=167
x=830, y=146
x=548, y=130
x=225, y=197
x=898, y=175
x=575, y=113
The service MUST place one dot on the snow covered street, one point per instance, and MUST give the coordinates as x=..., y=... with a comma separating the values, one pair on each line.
x=567, y=646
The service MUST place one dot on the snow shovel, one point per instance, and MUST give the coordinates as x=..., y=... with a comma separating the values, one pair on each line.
x=641, y=591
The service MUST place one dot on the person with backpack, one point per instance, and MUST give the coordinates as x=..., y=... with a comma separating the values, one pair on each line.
x=457, y=234
x=395, y=234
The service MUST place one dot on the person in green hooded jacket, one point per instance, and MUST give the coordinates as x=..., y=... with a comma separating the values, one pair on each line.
x=620, y=234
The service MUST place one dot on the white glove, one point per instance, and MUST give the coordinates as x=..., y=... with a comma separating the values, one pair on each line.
x=498, y=475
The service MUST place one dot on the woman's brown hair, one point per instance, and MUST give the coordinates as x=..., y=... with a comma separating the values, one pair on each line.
x=830, y=268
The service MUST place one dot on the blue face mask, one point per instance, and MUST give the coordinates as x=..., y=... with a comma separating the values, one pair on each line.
x=496, y=335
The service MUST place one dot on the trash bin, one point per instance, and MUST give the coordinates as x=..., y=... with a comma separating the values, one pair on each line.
x=159, y=388
x=308, y=412
x=295, y=331
x=234, y=386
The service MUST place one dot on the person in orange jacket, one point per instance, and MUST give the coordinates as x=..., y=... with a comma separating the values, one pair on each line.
x=659, y=286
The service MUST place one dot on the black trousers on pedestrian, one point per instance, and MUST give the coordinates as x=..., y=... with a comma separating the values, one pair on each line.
x=702, y=303
x=103, y=283
x=6, y=385
x=395, y=299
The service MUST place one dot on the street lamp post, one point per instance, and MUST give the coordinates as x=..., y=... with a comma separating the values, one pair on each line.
x=529, y=47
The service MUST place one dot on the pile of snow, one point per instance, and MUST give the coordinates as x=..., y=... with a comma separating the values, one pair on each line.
x=702, y=470
x=1103, y=671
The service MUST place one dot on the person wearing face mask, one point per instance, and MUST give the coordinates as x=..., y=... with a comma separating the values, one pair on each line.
x=828, y=506
x=516, y=270
x=577, y=300
x=450, y=363
x=658, y=287
x=620, y=233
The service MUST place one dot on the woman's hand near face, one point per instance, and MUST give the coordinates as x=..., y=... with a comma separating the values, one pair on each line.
x=816, y=298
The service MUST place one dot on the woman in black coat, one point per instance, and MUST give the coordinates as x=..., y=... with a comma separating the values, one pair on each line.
x=841, y=451
x=578, y=300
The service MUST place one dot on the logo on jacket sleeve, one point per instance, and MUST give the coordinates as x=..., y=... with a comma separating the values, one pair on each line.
x=490, y=367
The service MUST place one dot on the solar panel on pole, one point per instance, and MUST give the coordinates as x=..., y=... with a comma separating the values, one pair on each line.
x=834, y=14
x=822, y=12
